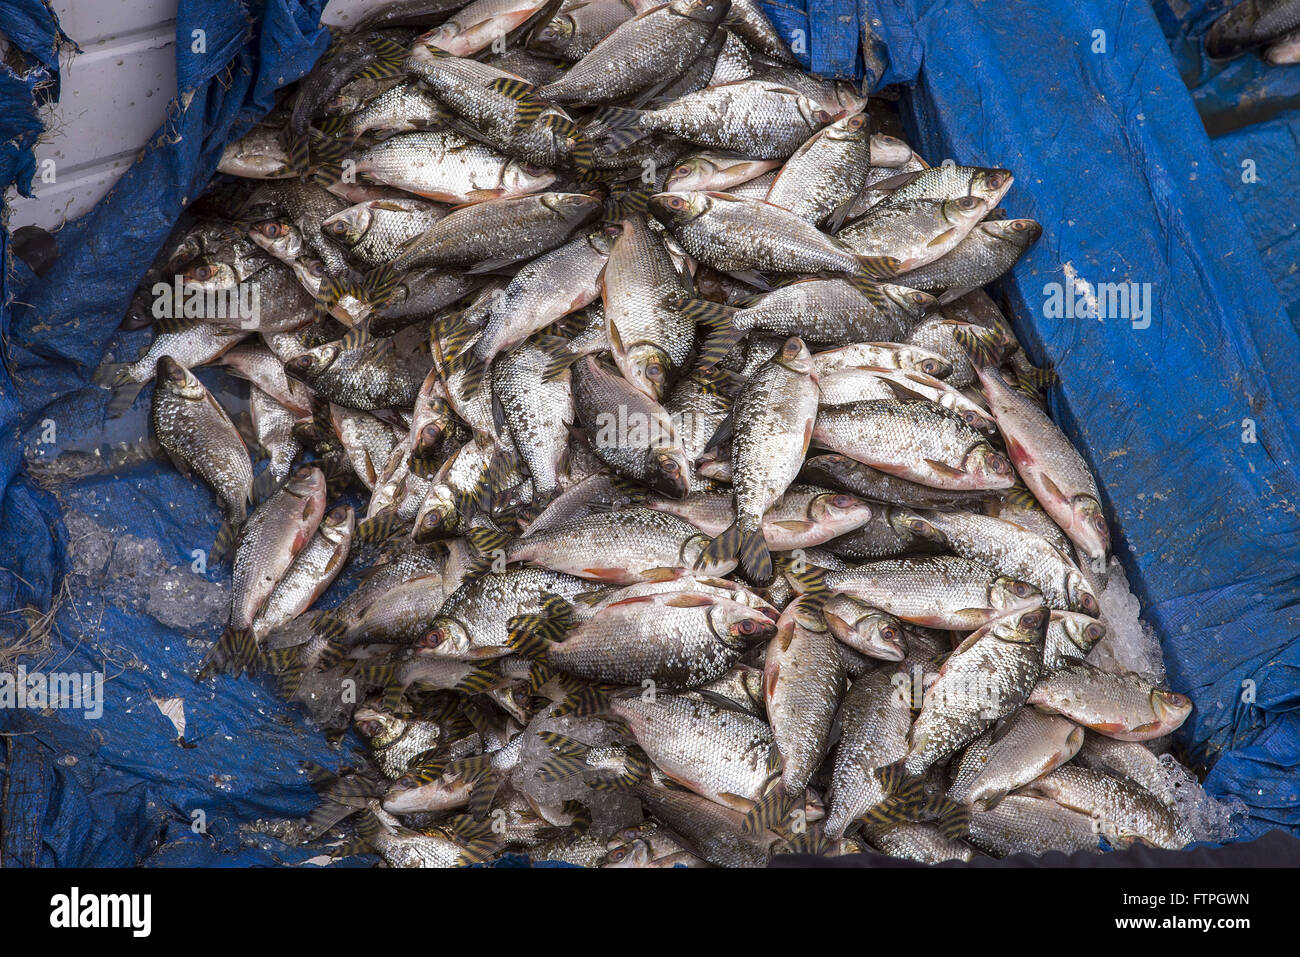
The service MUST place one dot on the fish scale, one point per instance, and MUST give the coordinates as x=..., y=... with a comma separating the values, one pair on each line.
x=717, y=752
x=538, y=414
x=640, y=293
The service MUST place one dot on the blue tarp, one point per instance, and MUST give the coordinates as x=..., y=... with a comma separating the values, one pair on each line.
x=1083, y=101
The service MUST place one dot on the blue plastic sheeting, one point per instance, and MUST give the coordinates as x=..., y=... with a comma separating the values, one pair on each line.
x=1084, y=103
x=1109, y=155
x=1252, y=110
x=105, y=792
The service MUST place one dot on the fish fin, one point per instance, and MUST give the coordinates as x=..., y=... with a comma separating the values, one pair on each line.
x=943, y=468
x=769, y=812
x=481, y=678
x=122, y=398
x=379, y=527
x=870, y=290
x=952, y=819
x=559, y=356
x=234, y=653
x=223, y=546
x=809, y=579
x=264, y=484
x=1019, y=495
x=482, y=795
x=486, y=540
x=378, y=285
x=721, y=335
x=984, y=346
x=529, y=635
x=174, y=324
x=879, y=267
x=895, y=182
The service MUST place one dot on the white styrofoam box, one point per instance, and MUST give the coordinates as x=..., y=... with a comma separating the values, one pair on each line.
x=115, y=95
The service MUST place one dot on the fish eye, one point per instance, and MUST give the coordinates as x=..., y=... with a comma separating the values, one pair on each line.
x=1019, y=225
x=205, y=272
x=1089, y=604
x=857, y=122
x=676, y=203
x=890, y=633
x=618, y=855
x=842, y=501
x=967, y=202
x=431, y=432
x=670, y=466
x=683, y=170
x=1022, y=589
x=336, y=229
x=1032, y=620
x=432, y=520
x=747, y=627
x=1099, y=523
x=929, y=367
x=1095, y=632
x=654, y=371
x=317, y=270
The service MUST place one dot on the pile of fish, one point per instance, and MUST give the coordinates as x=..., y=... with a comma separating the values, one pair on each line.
x=698, y=502
x=1270, y=26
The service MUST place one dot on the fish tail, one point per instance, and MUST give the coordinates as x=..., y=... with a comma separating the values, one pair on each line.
x=559, y=356
x=390, y=57
x=623, y=127
x=122, y=398
x=223, y=546
x=720, y=333
x=487, y=541
x=808, y=579
x=627, y=202
x=109, y=375
x=636, y=769
x=722, y=548
x=879, y=267
x=528, y=105
x=985, y=347
x=529, y=635
x=474, y=372
x=333, y=126
x=480, y=678
x=952, y=819
x=329, y=626
x=299, y=156
x=377, y=286
x=265, y=484
x=754, y=556
x=769, y=812
x=228, y=654
x=453, y=333
x=331, y=654
x=581, y=699
x=870, y=290
x=569, y=756
x=379, y=527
